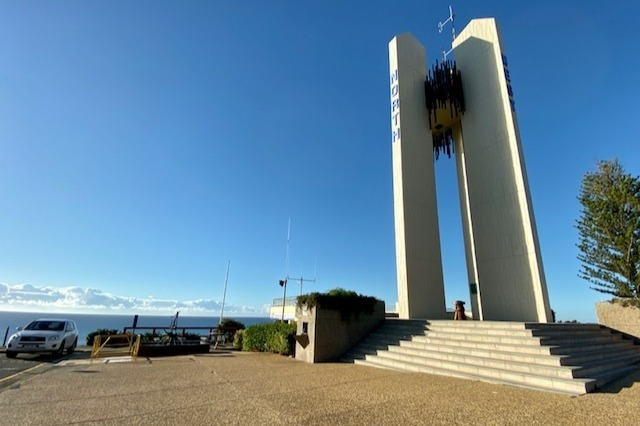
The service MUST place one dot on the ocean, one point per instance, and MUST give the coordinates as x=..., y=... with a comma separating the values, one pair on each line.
x=88, y=322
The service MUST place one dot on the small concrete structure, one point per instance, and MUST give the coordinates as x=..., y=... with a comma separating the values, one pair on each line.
x=324, y=334
x=621, y=318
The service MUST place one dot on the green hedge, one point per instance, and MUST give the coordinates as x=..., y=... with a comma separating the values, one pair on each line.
x=349, y=303
x=274, y=337
x=237, y=339
x=626, y=302
x=101, y=332
x=231, y=324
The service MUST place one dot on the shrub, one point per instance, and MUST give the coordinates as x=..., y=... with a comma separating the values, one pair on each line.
x=278, y=343
x=229, y=327
x=274, y=337
x=237, y=339
x=255, y=338
x=348, y=303
x=341, y=292
x=626, y=302
x=190, y=336
x=230, y=323
x=100, y=332
x=147, y=337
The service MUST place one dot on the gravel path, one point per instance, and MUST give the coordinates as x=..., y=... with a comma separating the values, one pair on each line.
x=265, y=389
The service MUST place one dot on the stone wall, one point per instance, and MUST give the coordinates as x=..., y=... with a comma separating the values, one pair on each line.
x=323, y=335
x=618, y=317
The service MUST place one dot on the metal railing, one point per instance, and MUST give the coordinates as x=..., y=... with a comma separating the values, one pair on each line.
x=215, y=334
x=115, y=345
x=289, y=301
x=183, y=330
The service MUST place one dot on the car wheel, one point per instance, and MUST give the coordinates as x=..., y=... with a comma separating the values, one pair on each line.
x=11, y=354
x=72, y=348
x=60, y=349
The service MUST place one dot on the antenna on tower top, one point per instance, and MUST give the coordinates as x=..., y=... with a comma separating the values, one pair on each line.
x=441, y=25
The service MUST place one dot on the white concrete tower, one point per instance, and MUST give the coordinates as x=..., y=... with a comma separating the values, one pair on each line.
x=505, y=270
x=418, y=258
x=469, y=105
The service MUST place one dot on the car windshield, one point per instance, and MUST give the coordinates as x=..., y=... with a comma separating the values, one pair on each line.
x=46, y=325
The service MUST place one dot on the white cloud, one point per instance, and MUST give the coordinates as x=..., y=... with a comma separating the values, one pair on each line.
x=85, y=299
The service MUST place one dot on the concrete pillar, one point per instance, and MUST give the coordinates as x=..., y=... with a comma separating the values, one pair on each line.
x=503, y=253
x=418, y=258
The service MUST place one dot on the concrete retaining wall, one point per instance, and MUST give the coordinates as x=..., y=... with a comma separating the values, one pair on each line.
x=621, y=318
x=323, y=335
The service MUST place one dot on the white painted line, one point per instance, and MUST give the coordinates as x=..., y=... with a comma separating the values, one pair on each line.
x=118, y=359
x=20, y=372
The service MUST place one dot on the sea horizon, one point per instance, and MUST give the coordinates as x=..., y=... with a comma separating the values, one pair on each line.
x=88, y=322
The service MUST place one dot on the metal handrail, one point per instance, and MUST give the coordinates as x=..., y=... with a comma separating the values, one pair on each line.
x=132, y=346
x=211, y=330
x=289, y=301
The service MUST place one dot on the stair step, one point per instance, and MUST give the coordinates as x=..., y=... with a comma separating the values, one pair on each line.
x=570, y=358
x=523, y=337
x=541, y=356
x=568, y=386
x=391, y=334
x=583, y=348
x=470, y=364
x=579, y=339
x=539, y=332
x=455, y=351
x=442, y=324
x=565, y=327
x=499, y=343
x=602, y=367
x=582, y=358
x=603, y=379
x=557, y=349
x=477, y=324
x=534, y=365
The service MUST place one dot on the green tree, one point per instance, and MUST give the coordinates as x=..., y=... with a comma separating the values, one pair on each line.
x=609, y=230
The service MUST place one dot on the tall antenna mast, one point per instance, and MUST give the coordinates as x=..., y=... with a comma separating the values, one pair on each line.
x=224, y=294
x=286, y=272
x=283, y=283
x=301, y=280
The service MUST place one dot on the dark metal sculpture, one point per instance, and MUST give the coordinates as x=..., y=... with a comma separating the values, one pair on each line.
x=443, y=91
x=443, y=142
x=171, y=337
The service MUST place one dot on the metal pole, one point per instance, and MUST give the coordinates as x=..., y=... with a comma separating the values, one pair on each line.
x=286, y=278
x=224, y=294
x=135, y=324
x=286, y=266
x=284, y=299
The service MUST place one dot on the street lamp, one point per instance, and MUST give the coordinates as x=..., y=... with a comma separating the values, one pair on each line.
x=283, y=284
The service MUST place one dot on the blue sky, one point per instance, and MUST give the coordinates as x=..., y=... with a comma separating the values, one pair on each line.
x=145, y=143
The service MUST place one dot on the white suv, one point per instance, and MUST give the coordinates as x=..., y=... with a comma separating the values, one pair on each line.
x=44, y=335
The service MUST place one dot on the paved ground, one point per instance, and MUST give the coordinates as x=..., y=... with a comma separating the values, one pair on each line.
x=265, y=389
x=11, y=367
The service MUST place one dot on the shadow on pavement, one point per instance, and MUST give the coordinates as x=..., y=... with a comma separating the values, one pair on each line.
x=624, y=382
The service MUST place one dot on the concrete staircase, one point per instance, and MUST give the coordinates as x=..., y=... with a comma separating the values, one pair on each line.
x=567, y=358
